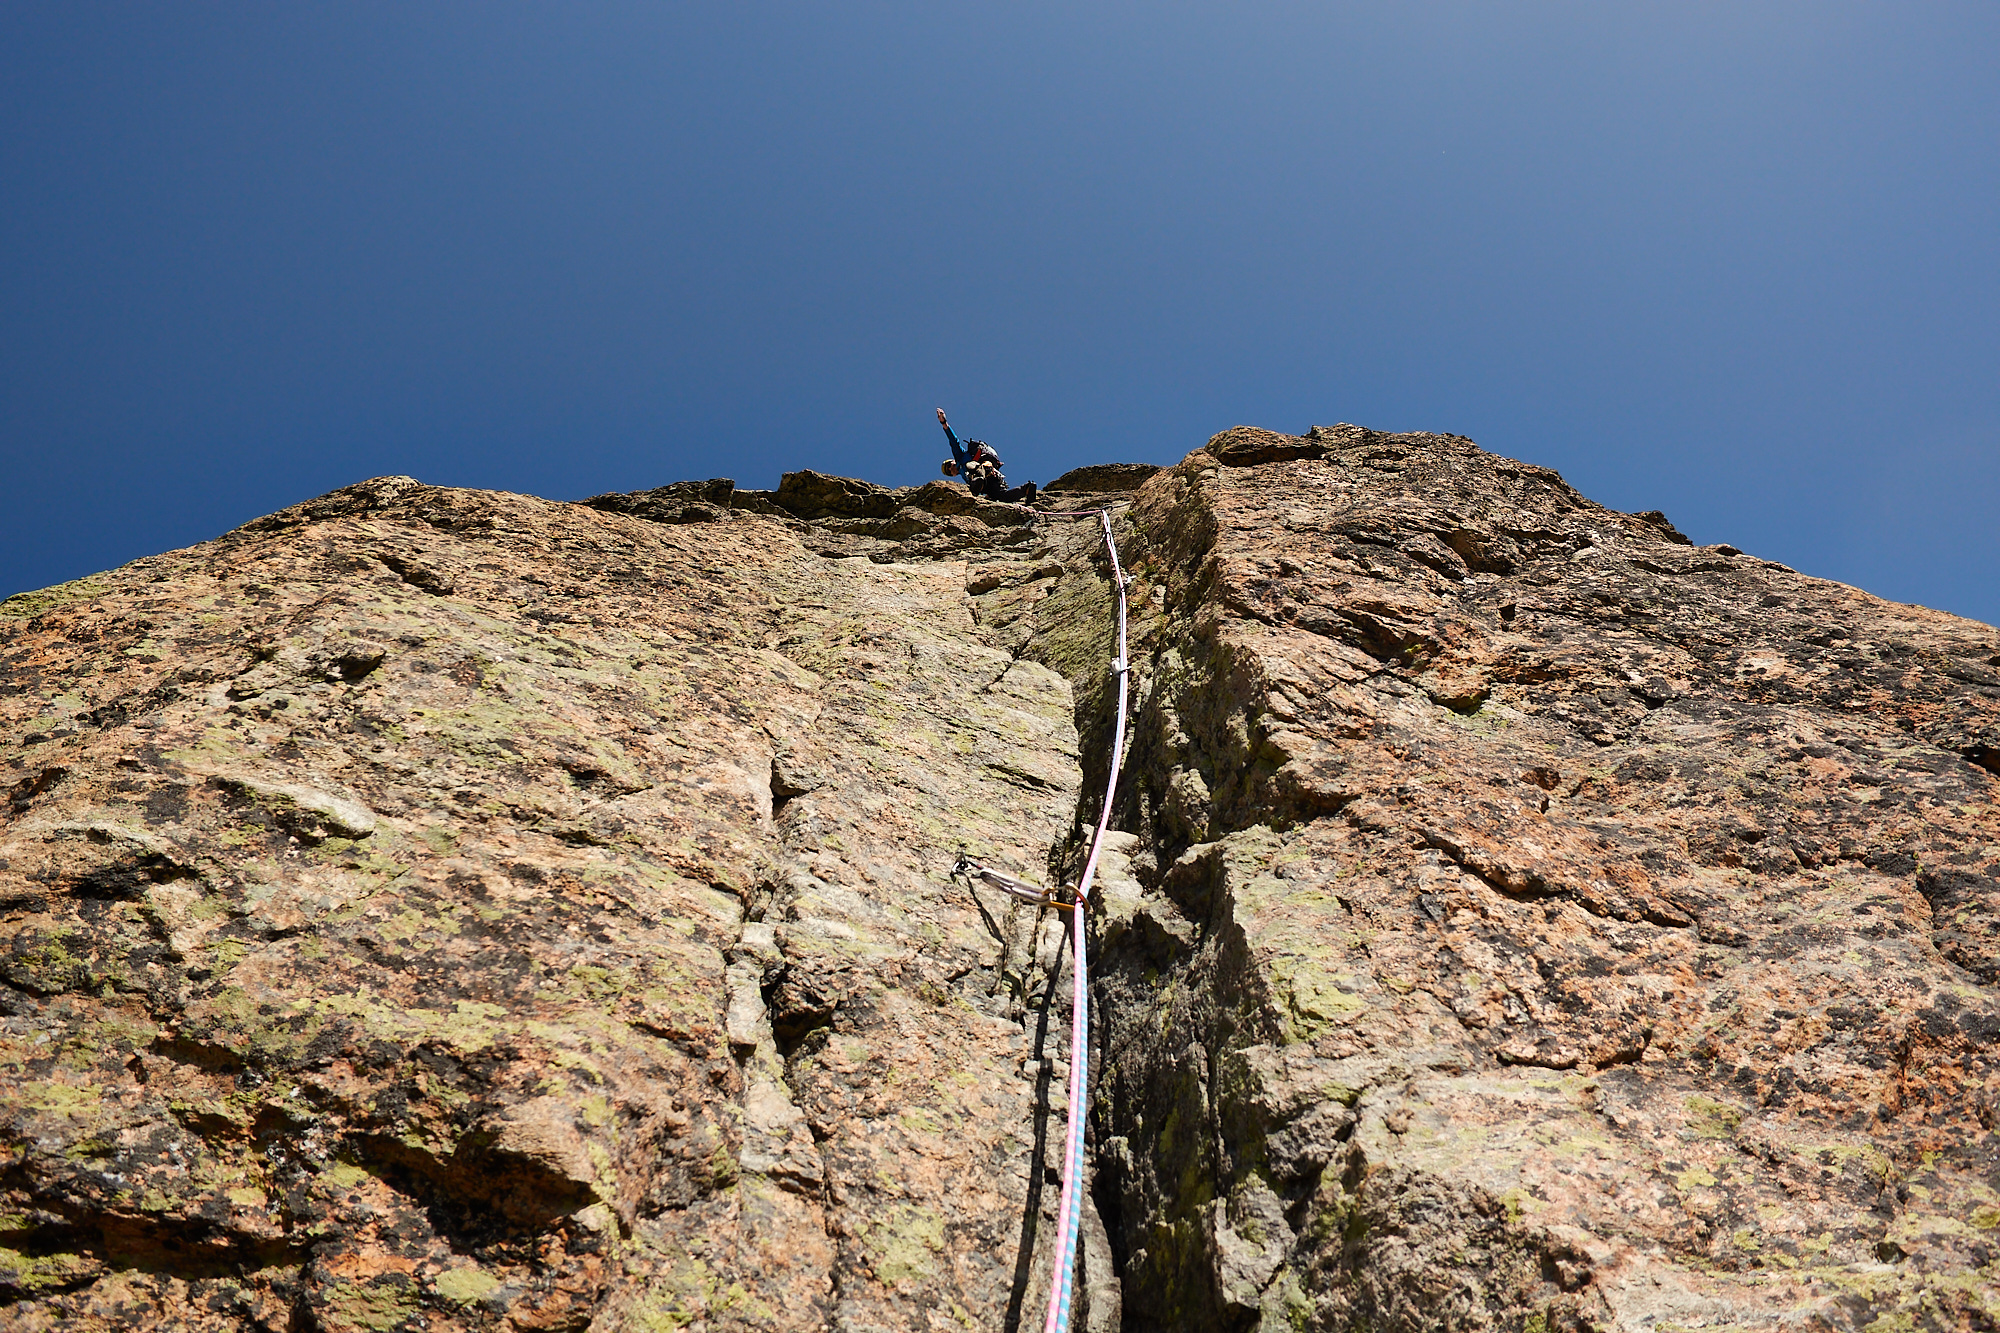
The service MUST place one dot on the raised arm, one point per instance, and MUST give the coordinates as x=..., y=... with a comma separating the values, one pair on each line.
x=957, y=449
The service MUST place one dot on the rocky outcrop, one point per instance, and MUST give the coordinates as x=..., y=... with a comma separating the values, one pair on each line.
x=429, y=908
x=433, y=908
x=1547, y=923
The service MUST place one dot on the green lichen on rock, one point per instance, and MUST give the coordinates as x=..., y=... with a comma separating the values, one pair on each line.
x=380, y=1306
x=27, y=1275
x=1709, y=1119
x=465, y=1285
x=53, y=597
x=1476, y=897
x=904, y=1245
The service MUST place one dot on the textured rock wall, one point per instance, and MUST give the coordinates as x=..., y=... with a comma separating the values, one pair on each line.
x=430, y=908
x=1545, y=923
x=438, y=909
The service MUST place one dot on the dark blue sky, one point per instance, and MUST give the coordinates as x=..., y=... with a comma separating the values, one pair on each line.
x=1740, y=262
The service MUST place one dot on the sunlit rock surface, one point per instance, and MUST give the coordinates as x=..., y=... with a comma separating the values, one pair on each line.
x=429, y=908
x=1549, y=923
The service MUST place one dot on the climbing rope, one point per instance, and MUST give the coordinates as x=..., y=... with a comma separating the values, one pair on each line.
x=1070, y=1211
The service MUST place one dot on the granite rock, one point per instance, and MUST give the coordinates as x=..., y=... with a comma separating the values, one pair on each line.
x=445, y=909
x=1547, y=923
x=428, y=908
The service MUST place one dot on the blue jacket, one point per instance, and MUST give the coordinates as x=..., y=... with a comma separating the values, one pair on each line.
x=962, y=454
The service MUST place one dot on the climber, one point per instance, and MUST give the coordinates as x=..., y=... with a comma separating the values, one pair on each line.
x=976, y=462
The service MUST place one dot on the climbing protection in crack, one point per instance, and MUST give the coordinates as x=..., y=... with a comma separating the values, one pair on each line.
x=1069, y=1213
x=438, y=908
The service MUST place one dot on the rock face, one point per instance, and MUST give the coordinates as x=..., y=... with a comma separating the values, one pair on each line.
x=432, y=905
x=1549, y=923
x=429, y=908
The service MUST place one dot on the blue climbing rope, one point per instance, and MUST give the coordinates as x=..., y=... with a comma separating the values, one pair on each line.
x=1069, y=1212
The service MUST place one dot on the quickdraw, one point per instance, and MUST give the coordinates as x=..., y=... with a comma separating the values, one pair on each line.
x=969, y=870
x=1069, y=1212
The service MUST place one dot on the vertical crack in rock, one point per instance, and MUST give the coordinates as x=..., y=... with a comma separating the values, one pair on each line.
x=1534, y=941
x=443, y=909
x=556, y=909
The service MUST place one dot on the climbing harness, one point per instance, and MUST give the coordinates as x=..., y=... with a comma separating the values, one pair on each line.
x=1069, y=1212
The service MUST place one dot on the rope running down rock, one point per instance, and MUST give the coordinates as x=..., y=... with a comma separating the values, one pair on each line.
x=1069, y=1212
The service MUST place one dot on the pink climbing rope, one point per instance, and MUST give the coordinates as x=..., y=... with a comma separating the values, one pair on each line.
x=1069, y=1212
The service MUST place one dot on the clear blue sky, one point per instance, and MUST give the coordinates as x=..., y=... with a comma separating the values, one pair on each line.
x=1740, y=262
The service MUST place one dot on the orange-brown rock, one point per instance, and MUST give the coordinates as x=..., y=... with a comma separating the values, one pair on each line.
x=428, y=908
x=1547, y=923
x=434, y=908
